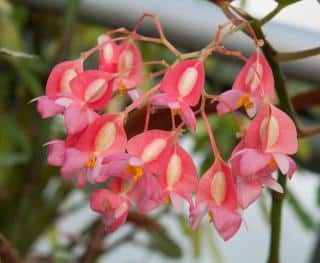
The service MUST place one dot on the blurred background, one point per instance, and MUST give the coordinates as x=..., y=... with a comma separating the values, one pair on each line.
x=44, y=219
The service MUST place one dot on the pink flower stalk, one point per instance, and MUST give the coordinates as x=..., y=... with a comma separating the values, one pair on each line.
x=182, y=86
x=254, y=83
x=180, y=179
x=58, y=88
x=113, y=207
x=217, y=196
x=83, y=160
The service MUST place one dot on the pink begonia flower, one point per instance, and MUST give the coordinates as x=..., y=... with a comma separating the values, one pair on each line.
x=113, y=207
x=254, y=169
x=270, y=137
x=153, y=148
x=254, y=83
x=182, y=86
x=133, y=181
x=129, y=69
x=108, y=55
x=180, y=179
x=272, y=131
x=217, y=195
x=58, y=88
x=84, y=159
x=177, y=107
x=91, y=90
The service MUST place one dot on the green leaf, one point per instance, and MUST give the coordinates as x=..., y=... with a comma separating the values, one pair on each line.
x=11, y=132
x=17, y=54
x=286, y=2
x=302, y=214
x=318, y=196
x=214, y=248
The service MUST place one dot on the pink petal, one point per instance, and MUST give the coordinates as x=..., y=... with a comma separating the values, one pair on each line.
x=292, y=168
x=271, y=183
x=287, y=142
x=180, y=175
x=56, y=152
x=227, y=222
x=252, y=161
x=48, y=108
x=76, y=118
x=248, y=192
x=130, y=65
x=61, y=75
x=265, y=81
x=161, y=99
x=105, y=135
x=197, y=213
x=74, y=160
x=188, y=117
x=147, y=194
x=153, y=147
x=108, y=57
x=172, y=81
x=177, y=202
x=228, y=101
x=92, y=87
x=272, y=131
x=204, y=193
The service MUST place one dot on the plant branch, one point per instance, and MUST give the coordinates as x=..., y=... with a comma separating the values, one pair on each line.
x=271, y=15
x=7, y=253
x=288, y=56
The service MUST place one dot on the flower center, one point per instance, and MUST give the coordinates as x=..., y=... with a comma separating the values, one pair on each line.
x=210, y=214
x=91, y=163
x=122, y=89
x=135, y=171
x=272, y=164
x=245, y=101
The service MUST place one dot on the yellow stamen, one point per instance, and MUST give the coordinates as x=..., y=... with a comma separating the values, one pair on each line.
x=210, y=213
x=245, y=101
x=176, y=111
x=272, y=164
x=122, y=89
x=251, y=177
x=135, y=171
x=168, y=201
x=91, y=163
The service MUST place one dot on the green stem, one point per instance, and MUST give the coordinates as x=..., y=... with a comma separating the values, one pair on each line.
x=298, y=54
x=285, y=105
x=275, y=219
x=271, y=15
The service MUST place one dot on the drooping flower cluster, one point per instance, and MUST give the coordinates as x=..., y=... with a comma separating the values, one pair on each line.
x=151, y=168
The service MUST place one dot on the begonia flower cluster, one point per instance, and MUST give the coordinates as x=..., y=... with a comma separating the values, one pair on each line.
x=152, y=169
